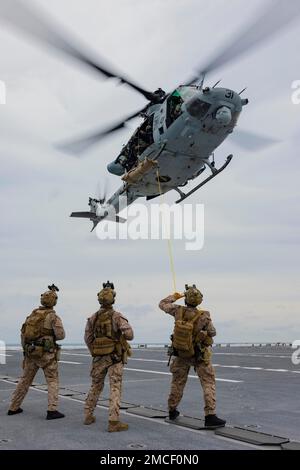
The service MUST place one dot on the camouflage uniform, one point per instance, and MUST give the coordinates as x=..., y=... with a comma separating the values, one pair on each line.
x=105, y=364
x=48, y=362
x=180, y=367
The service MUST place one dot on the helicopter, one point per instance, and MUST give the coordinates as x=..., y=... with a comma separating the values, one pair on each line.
x=180, y=130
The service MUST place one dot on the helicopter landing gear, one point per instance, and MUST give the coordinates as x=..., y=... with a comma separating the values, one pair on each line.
x=211, y=166
x=214, y=171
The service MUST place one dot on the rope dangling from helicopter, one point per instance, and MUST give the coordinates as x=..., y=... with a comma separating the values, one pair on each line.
x=169, y=243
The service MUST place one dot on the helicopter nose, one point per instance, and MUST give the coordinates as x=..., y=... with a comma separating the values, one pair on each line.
x=116, y=168
x=224, y=116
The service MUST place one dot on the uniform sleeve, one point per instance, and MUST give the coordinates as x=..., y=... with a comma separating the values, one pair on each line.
x=89, y=334
x=168, y=306
x=124, y=326
x=211, y=331
x=58, y=328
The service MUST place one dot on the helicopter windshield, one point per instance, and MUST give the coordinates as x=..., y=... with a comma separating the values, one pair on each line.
x=186, y=92
x=197, y=108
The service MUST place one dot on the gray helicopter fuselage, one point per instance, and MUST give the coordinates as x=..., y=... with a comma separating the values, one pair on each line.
x=183, y=147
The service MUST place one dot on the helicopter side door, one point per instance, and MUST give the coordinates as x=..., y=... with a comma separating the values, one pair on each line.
x=159, y=122
x=166, y=114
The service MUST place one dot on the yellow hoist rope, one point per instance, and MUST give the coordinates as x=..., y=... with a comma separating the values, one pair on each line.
x=170, y=249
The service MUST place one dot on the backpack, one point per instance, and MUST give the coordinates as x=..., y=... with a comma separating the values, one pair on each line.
x=183, y=335
x=105, y=338
x=33, y=328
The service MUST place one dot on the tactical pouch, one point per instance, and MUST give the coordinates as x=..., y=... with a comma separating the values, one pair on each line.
x=208, y=341
x=125, y=345
x=118, y=349
x=57, y=353
x=126, y=353
x=103, y=346
x=129, y=350
x=36, y=352
x=48, y=345
x=203, y=354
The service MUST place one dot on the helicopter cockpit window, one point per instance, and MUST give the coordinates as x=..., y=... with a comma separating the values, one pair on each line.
x=197, y=108
x=174, y=103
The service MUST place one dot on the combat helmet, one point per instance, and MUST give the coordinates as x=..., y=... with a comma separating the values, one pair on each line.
x=106, y=296
x=49, y=298
x=193, y=296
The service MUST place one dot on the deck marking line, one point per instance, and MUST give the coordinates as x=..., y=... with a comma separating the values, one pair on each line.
x=169, y=373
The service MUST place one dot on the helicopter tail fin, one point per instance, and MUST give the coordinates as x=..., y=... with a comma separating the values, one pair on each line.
x=83, y=215
x=95, y=223
x=95, y=220
x=113, y=219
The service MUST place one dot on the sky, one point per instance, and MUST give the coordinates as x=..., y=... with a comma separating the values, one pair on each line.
x=248, y=269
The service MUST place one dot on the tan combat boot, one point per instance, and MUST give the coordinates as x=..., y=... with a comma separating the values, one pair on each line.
x=117, y=426
x=89, y=419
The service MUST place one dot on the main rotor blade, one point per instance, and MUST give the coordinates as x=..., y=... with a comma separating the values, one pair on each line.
x=33, y=22
x=277, y=15
x=251, y=141
x=79, y=146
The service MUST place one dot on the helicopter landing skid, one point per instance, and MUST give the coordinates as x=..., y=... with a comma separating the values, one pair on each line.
x=215, y=173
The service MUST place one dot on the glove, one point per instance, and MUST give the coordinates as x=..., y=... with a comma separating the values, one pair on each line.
x=178, y=296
